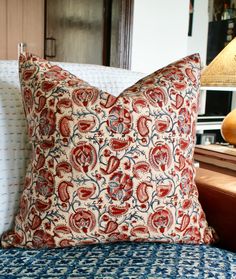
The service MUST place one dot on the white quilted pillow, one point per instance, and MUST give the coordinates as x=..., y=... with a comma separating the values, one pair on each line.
x=14, y=148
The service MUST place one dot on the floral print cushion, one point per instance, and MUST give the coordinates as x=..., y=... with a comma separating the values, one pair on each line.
x=105, y=168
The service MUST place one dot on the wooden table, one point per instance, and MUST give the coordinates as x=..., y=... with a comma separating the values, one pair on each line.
x=216, y=157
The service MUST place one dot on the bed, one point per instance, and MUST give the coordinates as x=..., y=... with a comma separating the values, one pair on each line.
x=116, y=260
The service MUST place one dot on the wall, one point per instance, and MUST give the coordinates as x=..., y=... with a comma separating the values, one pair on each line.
x=21, y=21
x=198, y=41
x=159, y=33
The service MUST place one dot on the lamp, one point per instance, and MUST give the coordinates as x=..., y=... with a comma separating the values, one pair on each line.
x=221, y=72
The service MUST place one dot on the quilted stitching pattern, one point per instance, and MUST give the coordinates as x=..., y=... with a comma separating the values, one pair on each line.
x=14, y=149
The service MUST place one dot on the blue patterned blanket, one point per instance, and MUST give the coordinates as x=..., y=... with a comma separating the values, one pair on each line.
x=120, y=260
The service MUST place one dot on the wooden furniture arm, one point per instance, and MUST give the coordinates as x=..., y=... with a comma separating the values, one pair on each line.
x=217, y=195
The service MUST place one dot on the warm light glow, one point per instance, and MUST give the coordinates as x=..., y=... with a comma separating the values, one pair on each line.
x=222, y=70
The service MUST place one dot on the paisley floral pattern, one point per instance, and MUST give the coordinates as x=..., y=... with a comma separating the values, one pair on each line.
x=107, y=168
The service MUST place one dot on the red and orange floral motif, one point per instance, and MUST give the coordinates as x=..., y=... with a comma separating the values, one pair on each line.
x=164, y=189
x=192, y=235
x=47, y=122
x=42, y=239
x=48, y=86
x=23, y=207
x=162, y=125
x=156, y=96
x=55, y=73
x=120, y=186
x=119, y=120
x=28, y=99
x=82, y=221
x=160, y=156
x=84, y=193
x=28, y=73
x=45, y=183
x=85, y=97
x=186, y=182
x=161, y=220
x=83, y=157
x=108, y=168
x=86, y=125
x=184, y=121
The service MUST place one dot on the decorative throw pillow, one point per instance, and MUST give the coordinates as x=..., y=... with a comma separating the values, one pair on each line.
x=107, y=168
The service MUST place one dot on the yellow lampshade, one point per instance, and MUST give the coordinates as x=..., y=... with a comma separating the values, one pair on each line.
x=222, y=70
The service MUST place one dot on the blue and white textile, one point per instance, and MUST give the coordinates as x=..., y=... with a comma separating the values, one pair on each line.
x=120, y=261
